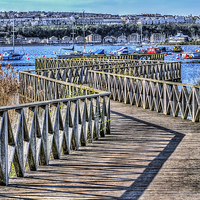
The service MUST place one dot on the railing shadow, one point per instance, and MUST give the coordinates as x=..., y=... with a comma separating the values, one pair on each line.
x=143, y=181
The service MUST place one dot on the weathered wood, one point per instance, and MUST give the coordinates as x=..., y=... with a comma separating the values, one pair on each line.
x=148, y=156
x=78, y=71
x=162, y=96
x=32, y=131
x=41, y=63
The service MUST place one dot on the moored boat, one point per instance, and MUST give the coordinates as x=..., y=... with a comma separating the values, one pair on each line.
x=11, y=55
x=191, y=55
x=177, y=48
x=120, y=51
x=65, y=53
x=151, y=50
x=165, y=49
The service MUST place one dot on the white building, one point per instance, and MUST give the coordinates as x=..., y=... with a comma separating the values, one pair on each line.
x=148, y=20
x=170, y=19
x=109, y=39
x=197, y=21
x=180, y=19
x=161, y=20
x=154, y=20
x=122, y=39
x=141, y=21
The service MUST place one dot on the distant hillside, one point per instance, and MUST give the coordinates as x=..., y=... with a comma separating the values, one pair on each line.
x=60, y=31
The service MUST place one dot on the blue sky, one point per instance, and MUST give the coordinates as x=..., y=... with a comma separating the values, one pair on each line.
x=174, y=7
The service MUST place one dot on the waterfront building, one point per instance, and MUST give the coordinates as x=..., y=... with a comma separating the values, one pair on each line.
x=178, y=38
x=44, y=41
x=109, y=39
x=79, y=39
x=121, y=39
x=53, y=40
x=32, y=40
x=134, y=38
x=3, y=40
x=65, y=39
x=157, y=37
x=93, y=38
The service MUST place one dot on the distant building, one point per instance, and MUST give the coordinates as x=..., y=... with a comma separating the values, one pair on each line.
x=109, y=21
x=134, y=38
x=161, y=20
x=141, y=21
x=53, y=40
x=79, y=39
x=180, y=19
x=65, y=39
x=93, y=38
x=154, y=20
x=121, y=39
x=148, y=20
x=178, y=38
x=169, y=19
x=189, y=20
x=33, y=40
x=197, y=21
x=157, y=37
x=44, y=41
x=109, y=39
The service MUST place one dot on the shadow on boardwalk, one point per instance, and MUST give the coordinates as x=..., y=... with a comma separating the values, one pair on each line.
x=143, y=181
x=124, y=165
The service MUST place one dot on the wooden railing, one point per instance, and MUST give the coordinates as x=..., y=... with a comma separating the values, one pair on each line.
x=170, y=98
x=157, y=70
x=43, y=63
x=32, y=133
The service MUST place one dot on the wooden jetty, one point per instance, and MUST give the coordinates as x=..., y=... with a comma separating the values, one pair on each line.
x=42, y=63
x=144, y=134
x=19, y=64
x=146, y=156
x=160, y=70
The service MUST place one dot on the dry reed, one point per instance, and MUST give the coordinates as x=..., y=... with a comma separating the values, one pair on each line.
x=8, y=83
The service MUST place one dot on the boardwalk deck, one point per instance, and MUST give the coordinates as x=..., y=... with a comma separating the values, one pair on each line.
x=147, y=156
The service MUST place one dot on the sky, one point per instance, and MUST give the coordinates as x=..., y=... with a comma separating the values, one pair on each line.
x=121, y=7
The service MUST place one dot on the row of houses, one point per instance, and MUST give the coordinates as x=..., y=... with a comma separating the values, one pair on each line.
x=96, y=38
x=36, y=21
x=163, y=20
x=47, y=21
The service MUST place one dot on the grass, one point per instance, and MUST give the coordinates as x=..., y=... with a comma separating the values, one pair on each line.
x=8, y=80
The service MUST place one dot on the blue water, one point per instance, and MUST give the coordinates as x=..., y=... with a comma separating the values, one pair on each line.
x=190, y=71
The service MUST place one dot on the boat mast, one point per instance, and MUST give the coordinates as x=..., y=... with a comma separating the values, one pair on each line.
x=84, y=30
x=141, y=32
x=73, y=37
x=13, y=35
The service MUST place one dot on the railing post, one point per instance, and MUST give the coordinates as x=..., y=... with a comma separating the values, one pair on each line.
x=4, y=179
x=166, y=99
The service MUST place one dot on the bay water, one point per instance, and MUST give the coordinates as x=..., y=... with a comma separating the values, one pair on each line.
x=190, y=70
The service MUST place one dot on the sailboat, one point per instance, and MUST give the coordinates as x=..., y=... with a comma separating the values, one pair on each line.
x=69, y=52
x=10, y=54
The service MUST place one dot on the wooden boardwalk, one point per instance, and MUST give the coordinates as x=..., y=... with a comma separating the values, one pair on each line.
x=147, y=156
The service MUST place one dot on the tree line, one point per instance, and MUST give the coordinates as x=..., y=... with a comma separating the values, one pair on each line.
x=115, y=30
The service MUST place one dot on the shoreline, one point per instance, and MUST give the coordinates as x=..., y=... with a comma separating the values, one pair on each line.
x=91, y=44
